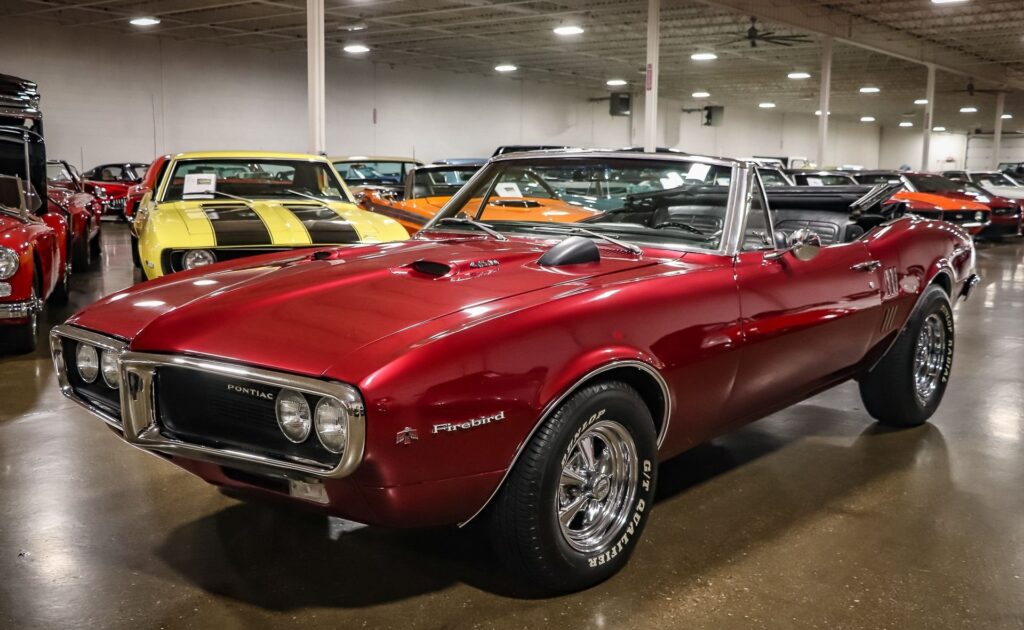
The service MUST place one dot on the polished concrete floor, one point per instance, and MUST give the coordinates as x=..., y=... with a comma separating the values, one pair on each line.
x=813, y=518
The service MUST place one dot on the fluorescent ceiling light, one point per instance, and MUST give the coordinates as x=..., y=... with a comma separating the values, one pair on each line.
x=1007, y=116
x=571, y=29
x=869, y=89
x=505, y=67
x=766, y=105
x=358, y=26
x=144, y=21
x=701, y=94
x=948, y=1
x=704, y=56
x=817, y=112
x=799, y=75
x=867, y=119
x=969, y=109
x=615, y=82
x=921, y=101
x=938, y=128
x=906, y=123
x=356, y=49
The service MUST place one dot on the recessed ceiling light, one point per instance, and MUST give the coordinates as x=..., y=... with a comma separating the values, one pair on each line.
x=867, y=119
x=969, y=109
x=615, y=82
x=570, y=29
x=766, y=105
x=505, y=67
x=799, y=75
x=704, y=56
x=358, y=26
x=906, y=123
x=146, y=20
x=1007, y=116
x=701, y=94
x=356, y=49
x=869, y=89
x=817, y=112
x=938, y=128
x=921, y=101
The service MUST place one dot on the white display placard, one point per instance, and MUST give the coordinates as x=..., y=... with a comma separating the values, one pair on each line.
x=199, y=186
x=508, y=189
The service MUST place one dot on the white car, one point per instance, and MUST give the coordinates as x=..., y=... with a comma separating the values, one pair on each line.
x=995, y=182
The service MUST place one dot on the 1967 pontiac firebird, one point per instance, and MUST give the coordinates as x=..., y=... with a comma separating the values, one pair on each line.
x=530, y=374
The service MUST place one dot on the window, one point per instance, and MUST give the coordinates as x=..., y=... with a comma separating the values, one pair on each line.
x=757, y=231
x=258, y=178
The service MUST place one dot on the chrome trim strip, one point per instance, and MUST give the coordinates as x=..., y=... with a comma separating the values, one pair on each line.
x=17, y=310
x=551, y=406
x=57, y=352
x=138, y=407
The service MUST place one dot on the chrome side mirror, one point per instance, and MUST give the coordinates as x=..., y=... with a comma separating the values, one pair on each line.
x=804, y=244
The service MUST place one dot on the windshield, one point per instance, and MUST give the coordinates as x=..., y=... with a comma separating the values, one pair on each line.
x=771, y=177
x=934, y=184
x=440, y=182
x=373, y=172
x=670, y=202
x=253, y=178
x=57, y=173
x=994, y=179
x=139, y=171
x=819, y=179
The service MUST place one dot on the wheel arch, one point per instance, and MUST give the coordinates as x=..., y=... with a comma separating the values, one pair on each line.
x=640, y=375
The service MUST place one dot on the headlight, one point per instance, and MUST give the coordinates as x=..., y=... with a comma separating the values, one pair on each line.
x=332, y=424
x=979, y=216
x=8, y=263
x=88, y=362
x=293, y=415
x=100, y=192
x=197, y=258
x=108, y=367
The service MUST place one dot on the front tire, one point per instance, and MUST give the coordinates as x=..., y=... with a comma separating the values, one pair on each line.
x=23, y=337
x=575, y=504
x=907, y=385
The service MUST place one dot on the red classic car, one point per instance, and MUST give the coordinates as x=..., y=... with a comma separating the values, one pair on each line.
x=114, y=180
x=83, y=209
x=139, y=189
x=532, y=374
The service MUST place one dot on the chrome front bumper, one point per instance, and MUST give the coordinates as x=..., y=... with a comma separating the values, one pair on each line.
x=139, y=426
x=20, y=310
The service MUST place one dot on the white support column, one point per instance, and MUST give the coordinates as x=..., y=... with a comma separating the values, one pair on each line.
x=315, y=76
x=824, y=97
x=997, y=136
x=929, y=119
x=651, y=81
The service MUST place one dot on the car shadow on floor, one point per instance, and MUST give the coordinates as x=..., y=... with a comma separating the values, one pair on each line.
x=282, y=559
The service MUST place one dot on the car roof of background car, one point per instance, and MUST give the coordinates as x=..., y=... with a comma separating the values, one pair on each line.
x=460, y=161
x=450, y=167
x=235, y=155
x=619, y=155
x=373, y=158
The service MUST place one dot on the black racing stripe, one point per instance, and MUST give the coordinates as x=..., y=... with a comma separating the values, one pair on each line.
x=234, y=225
x=324, y=225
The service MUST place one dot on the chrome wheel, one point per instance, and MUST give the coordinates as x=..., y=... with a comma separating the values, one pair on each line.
x=597, y=486
x=929, y=357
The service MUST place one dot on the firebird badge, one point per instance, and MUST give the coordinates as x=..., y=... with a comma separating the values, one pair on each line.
x=407, y=436
x=451, y=427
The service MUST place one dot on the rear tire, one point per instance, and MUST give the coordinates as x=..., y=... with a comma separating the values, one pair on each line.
x=22, y=337
x=576, y=502
x=907, y=385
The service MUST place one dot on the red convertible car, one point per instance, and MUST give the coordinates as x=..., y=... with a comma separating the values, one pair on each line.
x=83, y=209
x=113, y=182
x=527, y=373
x=138, y=190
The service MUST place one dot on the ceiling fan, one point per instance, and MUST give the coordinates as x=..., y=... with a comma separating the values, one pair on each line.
x=755, y=35
x=970, y=90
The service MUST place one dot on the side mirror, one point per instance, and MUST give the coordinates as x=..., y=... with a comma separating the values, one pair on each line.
x=804, y=244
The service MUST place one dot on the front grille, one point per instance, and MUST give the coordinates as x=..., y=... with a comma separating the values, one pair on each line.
x=1001, y=212
x=966, y=216
x=198, y=408
x=97, y=393
x=115, y=204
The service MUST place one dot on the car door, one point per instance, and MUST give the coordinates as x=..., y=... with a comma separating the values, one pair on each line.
x=803, y=323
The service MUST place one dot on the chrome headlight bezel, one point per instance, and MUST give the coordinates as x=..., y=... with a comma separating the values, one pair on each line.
x=295, y=423
x=328, y=429
x=87, y=362
x=10, y=262
x=110, y=369
x=189, y=262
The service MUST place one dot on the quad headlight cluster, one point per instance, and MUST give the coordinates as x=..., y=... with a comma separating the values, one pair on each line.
x=93, y=363
x=297, y=419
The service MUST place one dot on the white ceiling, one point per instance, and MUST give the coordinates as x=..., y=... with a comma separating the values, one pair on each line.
x=983, y=37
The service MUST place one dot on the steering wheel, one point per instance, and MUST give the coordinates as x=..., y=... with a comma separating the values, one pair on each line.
x=680, y=225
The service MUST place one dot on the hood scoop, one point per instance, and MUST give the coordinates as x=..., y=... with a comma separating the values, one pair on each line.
x=431, y=268
x=574, y=250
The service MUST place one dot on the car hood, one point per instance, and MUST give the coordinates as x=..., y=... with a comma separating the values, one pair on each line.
x=9, y=222
x=303, y=314
x=963, y=202
x=1010, y=192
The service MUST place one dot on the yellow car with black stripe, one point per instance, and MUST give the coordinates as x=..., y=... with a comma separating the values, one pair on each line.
x=214, y=206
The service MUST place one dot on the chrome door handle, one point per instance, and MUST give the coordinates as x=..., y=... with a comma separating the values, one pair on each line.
x=868, y=265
